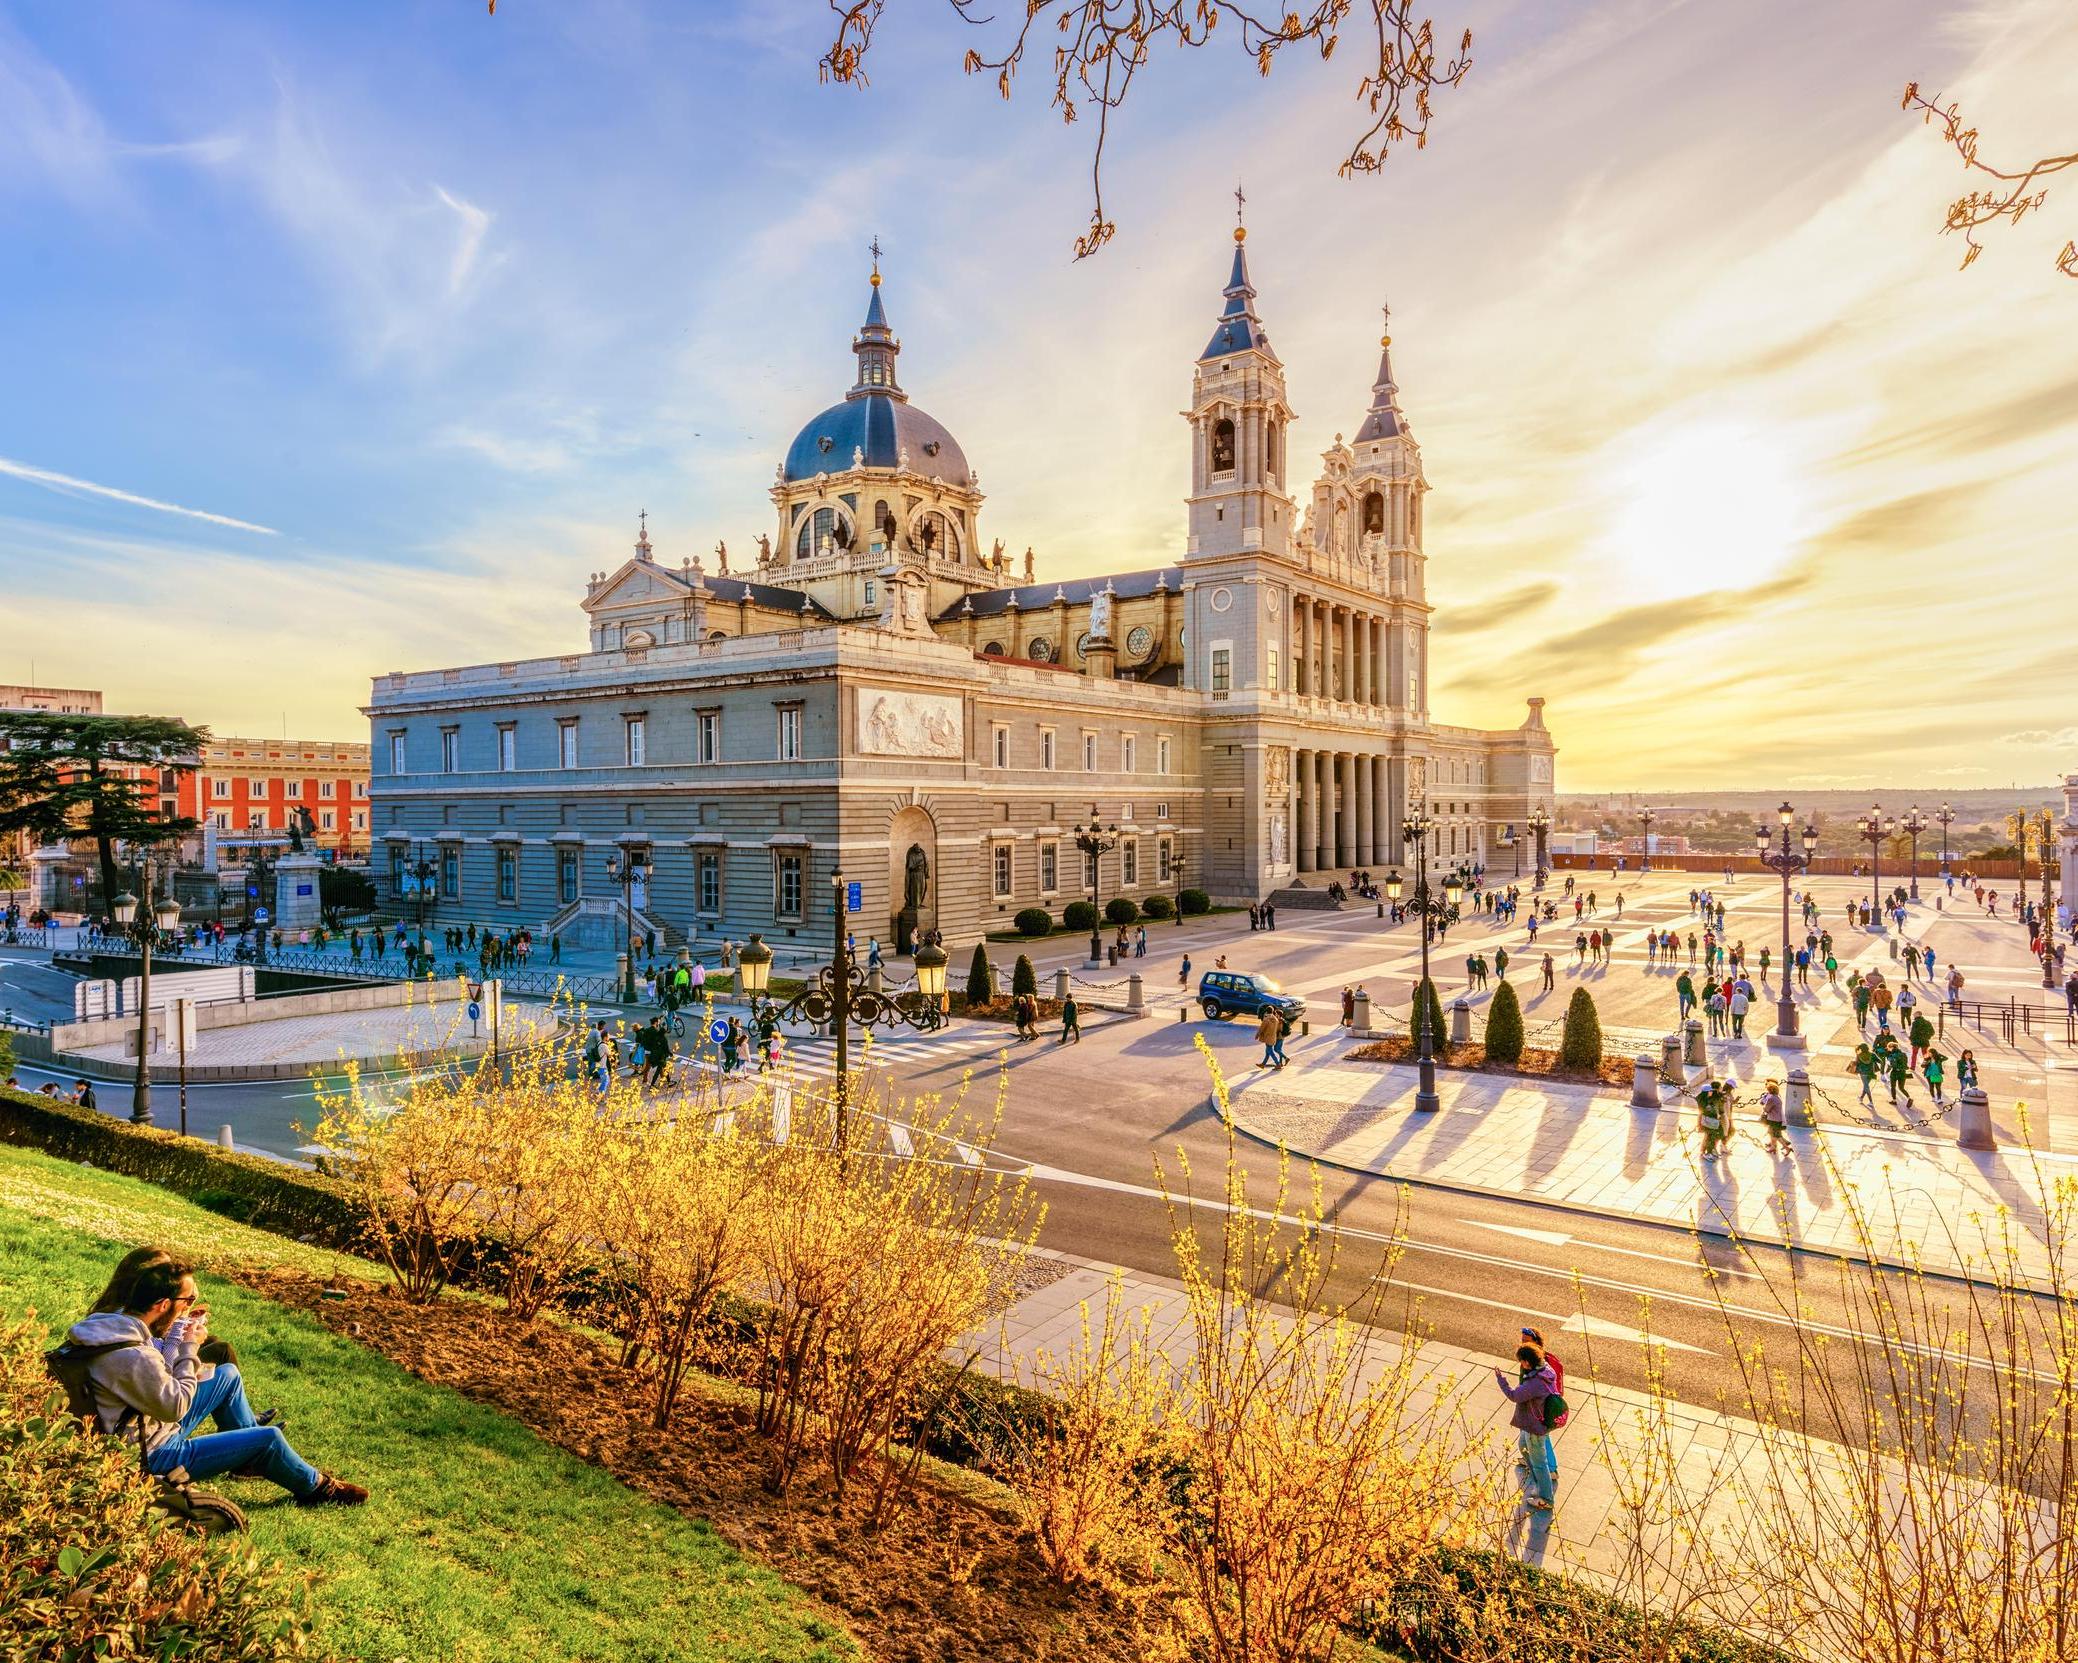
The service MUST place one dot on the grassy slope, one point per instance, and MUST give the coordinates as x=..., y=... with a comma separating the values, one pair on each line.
x=481, y=1541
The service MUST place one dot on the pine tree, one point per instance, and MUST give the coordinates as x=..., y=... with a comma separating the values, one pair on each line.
x=1023, y=978
x=1504, y=1025
x=979, y=988
x=1580, y=1046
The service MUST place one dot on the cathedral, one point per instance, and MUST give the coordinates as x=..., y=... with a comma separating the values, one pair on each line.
x=881, y=705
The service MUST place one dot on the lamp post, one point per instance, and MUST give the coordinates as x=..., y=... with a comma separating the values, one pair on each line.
x=1944, y=819
x=1912, y=824
x=164, y=915
x=1415, y=829
x=1176, y=866
x=1096, y=842
x=623, y=868
x=1779, y=853
x=840, y=996
x=1873, y=828
x=423, y=873
x=1540, y=826
x=2047, y=827
x=1645, y=819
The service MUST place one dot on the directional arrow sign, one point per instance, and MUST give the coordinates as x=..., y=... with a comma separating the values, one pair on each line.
x=1549, y=1238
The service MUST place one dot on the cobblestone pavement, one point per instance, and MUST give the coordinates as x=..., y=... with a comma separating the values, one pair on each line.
x=318, y=1041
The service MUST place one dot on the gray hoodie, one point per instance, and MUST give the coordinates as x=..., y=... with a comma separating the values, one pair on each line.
x=156, y=1378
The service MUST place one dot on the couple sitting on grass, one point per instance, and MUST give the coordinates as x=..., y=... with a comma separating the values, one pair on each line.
x=153, y=1374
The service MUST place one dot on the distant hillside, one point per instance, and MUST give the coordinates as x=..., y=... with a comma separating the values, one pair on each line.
x=1724, y=820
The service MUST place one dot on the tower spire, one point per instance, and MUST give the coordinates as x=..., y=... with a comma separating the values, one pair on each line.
x=1238, y=328
x=875, y=345
x=1385, y=419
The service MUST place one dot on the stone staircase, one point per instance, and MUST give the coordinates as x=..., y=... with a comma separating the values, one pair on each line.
x=601, y=922
x=1301, y=897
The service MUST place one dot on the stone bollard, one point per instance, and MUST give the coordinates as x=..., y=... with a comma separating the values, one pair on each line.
x=1381, y=909
x=1670, y=1060
x=1694, y=1053
x=1973, y=1125
x=1360, y=1017
x=1798, y=1108
x=1136, y=995
x=620, y=974
x=995, y=980
x=223, y=1137
x=1645, y=1082
x=1460, y=1023
x=1060, y=985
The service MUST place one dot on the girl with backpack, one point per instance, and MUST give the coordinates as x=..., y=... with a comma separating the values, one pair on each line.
x=1539, y=1409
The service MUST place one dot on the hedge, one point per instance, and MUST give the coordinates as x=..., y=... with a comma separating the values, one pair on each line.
x=980, y=985
x=1504, y=1025
x=252, y=1188
x=1158, y=906
x=1079, y=915
x=1439, y=1034
x=1193, y=902
x=1121, y=910
x=1580, y=1045
x=1023, y=978
x=1033, y=921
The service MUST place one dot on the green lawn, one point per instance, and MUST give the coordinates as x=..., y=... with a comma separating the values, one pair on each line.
x=481, y=1541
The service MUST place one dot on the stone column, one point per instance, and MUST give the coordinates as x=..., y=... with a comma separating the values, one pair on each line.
x=1383, y=834
x=1316, y=648
x=1345, y=817
x=1306, y=811
x=1368, y=652
x=1378, y=682
x=1366, y=823
x=1323, y=772
x=1348, y=654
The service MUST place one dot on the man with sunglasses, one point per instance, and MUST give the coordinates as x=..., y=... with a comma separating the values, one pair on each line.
x=148, y=1381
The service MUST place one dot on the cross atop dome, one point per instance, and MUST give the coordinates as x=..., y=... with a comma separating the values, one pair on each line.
x=1239, y=328
x=1385, y=419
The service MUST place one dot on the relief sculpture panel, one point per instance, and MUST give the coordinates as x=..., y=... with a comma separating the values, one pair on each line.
x=909, y=724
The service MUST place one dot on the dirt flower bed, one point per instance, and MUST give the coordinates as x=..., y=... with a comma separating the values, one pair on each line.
x=951, y=1577
x=998, y=1009
x=1535, y=1064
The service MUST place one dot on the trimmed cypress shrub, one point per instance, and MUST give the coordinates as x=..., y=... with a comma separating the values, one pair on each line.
x=1033, y=921
x=1023, y=978
x=1079, y=915
x=1439, y=1032
x=978, y=991
x=1121, y=909
x=1158, y=906
x=1580, y=1046
x=1504, y=1025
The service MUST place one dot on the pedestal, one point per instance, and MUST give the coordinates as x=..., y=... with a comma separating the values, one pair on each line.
x=1670, y=1060
x=1645, y=1082
x=1694, y=1053
x=296, y=893
x=1796, y=1100
x=1460, y=1022
x=1973, y=1121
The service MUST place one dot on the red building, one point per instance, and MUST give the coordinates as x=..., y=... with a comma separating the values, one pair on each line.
x=249, y=785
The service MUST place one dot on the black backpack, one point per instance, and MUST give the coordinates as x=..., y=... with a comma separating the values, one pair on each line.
x=71, y=1365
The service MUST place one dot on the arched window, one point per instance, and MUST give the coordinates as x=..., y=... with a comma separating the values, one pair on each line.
x=821, y=532
x=1374, y=511
x=884, y=522
x=1272, y=436
x=937, y=536
x=1223, y=446
x=993, y=649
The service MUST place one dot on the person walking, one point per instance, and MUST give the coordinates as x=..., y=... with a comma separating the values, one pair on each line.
x=1773, y=1118
x=1713, y=1116
x=1348, y=1005
x=1501, y=963
x=1865, y=1065
x=1898, y=1072
x=1534, y=1386
x=1739, y=1004
x=1880, y=1002
x=1071, y=1021
x=1935, y=1071
x=1268, y=1032
x=732, y=1046
x=1183, y=974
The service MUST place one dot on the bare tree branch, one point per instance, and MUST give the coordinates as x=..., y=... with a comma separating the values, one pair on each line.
x=2016, y=195
x=1100, y=45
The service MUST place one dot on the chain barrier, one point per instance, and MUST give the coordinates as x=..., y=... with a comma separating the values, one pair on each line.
x=1913, y=1121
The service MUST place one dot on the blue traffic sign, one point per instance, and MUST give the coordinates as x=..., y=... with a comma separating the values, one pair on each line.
x=854, y=896
x=718, y=1030
x=475, y=1011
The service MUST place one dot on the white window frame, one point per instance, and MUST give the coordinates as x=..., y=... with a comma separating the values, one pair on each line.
x=1089, y=752
x=220, y=790
x=327, y=819
x=1128, y=753
x=326, y=789
x=1049, y=867
x=1129, y=862
x=705, y=862
x=636, y=735
x=1161, y=754
x=507, y=875
x=789, y=735
x=707, y=735
x=1164, y=860
x=1048, y=753
x=1274, y=670
x=566, y=742
x=782, y=860
x=360, y=789
x=1219, y=673
x=398, y=754
x=360, y=819
x=450, y=753
x=508, y=747
x=1003, y=865
x=999, y=741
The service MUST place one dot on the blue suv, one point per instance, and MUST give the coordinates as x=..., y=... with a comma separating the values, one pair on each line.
x=1225, y=993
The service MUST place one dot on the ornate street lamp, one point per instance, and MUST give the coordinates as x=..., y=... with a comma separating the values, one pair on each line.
x=164, y=915
x=1415, y=829
x=1912, y=825
x=1873, y=828
x=1645, y=819
x=1540, y=826
x=1776, y=851
x=1096, y=842
x=422, y=872
x=1176, y=866
x=624, y=868
x=1944, y=820
x=840, y=996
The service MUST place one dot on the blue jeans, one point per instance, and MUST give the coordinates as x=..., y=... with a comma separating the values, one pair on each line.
x=237, y=1445
x=1542, y=1460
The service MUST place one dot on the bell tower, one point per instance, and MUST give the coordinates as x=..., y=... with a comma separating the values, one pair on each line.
x=1239, y=421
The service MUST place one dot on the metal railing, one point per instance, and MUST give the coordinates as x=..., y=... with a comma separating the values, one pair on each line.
x=2012, y=1020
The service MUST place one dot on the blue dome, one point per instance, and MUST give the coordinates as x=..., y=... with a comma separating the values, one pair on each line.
x=880, y=427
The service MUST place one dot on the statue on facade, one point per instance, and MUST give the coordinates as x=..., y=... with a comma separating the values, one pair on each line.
x=916, y=879
x=1028, y=563
x=301, y=825
x=1100, y=614
x=996, y=560
x=764, y=550
x=721, y=553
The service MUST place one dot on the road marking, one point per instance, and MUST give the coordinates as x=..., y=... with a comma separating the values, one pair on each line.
x=1580, y=1322
x=1550, y=1238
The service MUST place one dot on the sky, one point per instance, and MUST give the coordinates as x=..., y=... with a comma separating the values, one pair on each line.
x=349, y=338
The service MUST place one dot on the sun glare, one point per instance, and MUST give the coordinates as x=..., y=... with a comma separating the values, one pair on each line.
x=1700, y=505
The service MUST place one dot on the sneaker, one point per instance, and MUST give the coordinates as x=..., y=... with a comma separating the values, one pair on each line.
x=1537, y=1504
x=333, y=1492
x=272, y=1417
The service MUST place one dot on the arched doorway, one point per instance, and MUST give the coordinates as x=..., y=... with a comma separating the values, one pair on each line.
x=912, y=876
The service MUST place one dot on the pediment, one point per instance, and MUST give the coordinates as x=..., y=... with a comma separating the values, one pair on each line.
x=637, y=583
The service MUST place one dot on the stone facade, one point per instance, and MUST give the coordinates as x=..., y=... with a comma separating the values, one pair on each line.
x=875, y=697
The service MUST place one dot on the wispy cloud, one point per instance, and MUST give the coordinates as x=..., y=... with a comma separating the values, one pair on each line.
x=2062, y=739
x=468, y=241
x=86, y=487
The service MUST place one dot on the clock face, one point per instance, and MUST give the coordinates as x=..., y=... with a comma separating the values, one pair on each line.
x=1140, y=641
